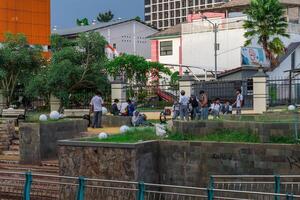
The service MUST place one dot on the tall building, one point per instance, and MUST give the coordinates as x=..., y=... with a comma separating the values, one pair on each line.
x=166, y=13
x=30, y=17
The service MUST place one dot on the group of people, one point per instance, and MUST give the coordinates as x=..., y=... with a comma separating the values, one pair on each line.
x=200, y=108
x=124, y=109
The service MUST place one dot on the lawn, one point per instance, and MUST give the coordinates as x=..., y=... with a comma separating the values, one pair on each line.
x=145, y=134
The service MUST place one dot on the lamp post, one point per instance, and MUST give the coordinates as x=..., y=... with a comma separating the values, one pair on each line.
x=216, y=45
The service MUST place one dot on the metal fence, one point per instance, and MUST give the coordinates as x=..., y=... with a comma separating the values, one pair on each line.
x=27, y=186
x=225, y=90
x=283, y=91
x=287, y=184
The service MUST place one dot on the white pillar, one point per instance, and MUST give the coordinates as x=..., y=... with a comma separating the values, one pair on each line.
x=260, y=92
x=118, y=91
x=186, y=84
x=54, y=103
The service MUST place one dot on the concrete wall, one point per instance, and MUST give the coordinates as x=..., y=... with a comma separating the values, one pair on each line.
x=263, y=130
x=176, y=163
x=39, y=141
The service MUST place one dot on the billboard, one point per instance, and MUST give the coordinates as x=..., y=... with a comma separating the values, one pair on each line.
x=252, y=56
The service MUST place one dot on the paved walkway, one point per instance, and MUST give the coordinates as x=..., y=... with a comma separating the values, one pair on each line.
x=110, y=130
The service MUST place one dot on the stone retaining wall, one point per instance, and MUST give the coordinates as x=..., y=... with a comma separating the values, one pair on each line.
x=38, y=141
x=127, y=162
x=7, y=130
x=264, y=130
x=175, y=163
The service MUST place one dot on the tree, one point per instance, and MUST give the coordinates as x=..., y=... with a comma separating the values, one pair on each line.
x=267, y=23
x=138, y=18
x=75, y=69
x=135, y=69
x=82, y=22
x=19, y=62
x=105, y=17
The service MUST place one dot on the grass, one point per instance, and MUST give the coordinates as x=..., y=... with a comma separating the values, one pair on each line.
x=282, y=139
x=132, y=136
x=33, y=117
x=145, y=134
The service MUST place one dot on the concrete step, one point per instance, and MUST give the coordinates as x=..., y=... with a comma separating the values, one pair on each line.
x=10, y=153
x=14, y=148
x=15, y=142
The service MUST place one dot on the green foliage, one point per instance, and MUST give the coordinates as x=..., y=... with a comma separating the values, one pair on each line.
x=174, y=83
x=267, y=23
x=105, y=17
x=76, y=68
x=282, y=139
x=82, y=22
x=137, y=18
x=135, y=68
x=148, y=133
x=19, y=62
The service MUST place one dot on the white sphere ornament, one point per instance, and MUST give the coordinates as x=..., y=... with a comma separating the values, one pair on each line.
x=10, y=108
x=104, y=111
x=102, y=136
x=124, y=129
x=43, y=117
x=291, y=108
x=54, y=115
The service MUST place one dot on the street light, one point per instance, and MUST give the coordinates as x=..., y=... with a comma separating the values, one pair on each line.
x=216, y=45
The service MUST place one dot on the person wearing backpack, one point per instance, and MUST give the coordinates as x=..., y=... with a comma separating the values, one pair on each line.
x=239, y=102
x=194, y=107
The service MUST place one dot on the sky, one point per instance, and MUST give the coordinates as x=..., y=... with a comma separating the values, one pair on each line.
x=65, y=12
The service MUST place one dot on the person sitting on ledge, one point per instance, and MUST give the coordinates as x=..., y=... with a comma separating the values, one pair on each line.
x=115, y=109
x=139, y=119
x=130, y=107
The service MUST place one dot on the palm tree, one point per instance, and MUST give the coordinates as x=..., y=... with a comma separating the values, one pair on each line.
x=267, y=23
x=105, y=17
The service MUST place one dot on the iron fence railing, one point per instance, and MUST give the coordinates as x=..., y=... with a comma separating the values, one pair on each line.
x=225, y=90
x=283, y=91
x=259, y=183
x=15, y=185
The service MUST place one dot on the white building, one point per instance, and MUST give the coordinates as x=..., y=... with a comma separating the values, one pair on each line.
x=192, y=44
x=123, y=36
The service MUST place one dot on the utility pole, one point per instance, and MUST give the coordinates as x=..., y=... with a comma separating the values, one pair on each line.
x=215, y=27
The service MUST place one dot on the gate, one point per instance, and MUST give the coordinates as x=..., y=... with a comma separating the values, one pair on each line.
x=225, y=90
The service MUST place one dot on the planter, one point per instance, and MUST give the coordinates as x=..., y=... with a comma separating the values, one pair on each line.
x=38, y=141
x=174, y=163
x=115, y=121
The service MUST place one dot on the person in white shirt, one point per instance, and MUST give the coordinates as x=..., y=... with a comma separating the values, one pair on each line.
x=239, y=102
x=215, y=108
x=184, y=106
x=96, y=108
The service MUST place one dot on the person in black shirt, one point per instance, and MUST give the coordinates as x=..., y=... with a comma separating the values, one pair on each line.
x=115, y=109
x=195, y=107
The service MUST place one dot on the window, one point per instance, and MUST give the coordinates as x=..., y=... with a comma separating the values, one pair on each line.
x=166, y=48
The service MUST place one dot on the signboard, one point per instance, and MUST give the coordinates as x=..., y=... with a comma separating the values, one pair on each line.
x=252, y=56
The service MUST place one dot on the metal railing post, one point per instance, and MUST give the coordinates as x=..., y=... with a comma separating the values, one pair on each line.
x=289, y=196
x=211, y=182
x=141, y=191
x=210, y=194
x=81, y=188
x=277, y=186
x=27, y=186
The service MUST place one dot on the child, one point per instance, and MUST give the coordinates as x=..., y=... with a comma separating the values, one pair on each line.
x=114, y=108
x=215, y=108
x=176, y=110
x=184, y=106
x=227, y=108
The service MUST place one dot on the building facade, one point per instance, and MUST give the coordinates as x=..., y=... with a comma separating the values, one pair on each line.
x=30, y=17
x=163, y=14
x=123, y=36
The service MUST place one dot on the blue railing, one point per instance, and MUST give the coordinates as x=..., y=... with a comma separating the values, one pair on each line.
x=43, y=186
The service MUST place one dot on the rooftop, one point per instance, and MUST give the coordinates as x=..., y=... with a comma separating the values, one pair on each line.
x=238, y=5
x=170, y=32
x=82, y=29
